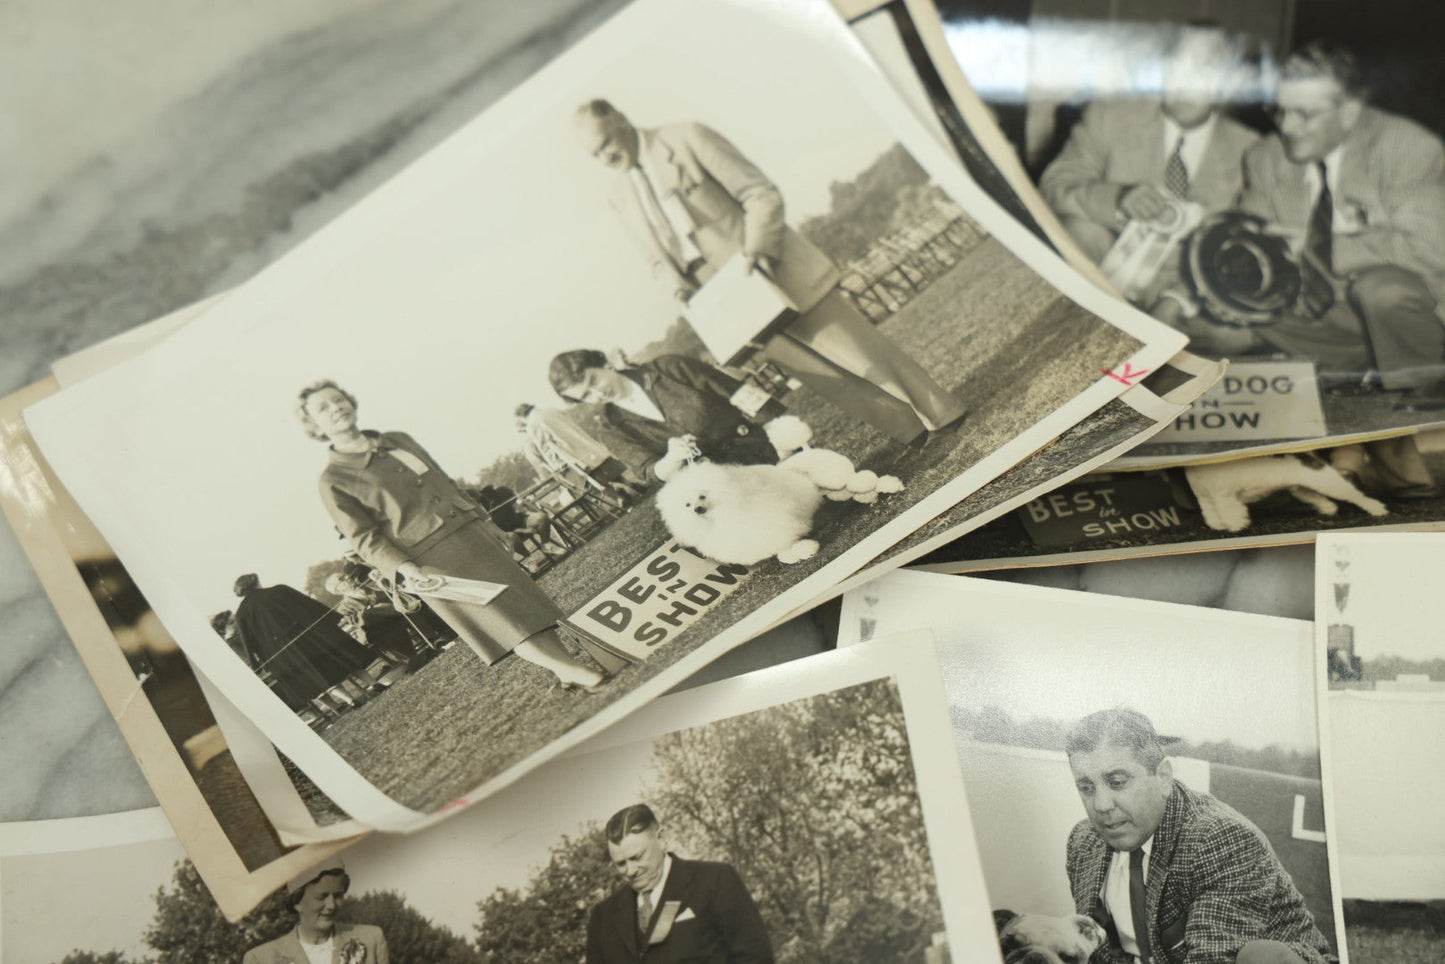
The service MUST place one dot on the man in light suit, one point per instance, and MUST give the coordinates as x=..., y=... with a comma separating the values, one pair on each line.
x=671, y=910
x=1360, y=193
x=318, y=936
x=1126, y=159
x=691, y=201
x=1174, y=876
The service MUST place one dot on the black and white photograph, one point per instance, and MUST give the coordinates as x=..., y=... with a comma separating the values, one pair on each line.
x=163, y=709
x=811, y=813
x=1090, y=446
x=1182, y=147
x=1381, y=673
x=1097, y=441
x=1254, y=501
x=1144, y=778
x=900, y=47
x=361, y=414
x=178, y=153
x=1376, y=605
x=297, y=810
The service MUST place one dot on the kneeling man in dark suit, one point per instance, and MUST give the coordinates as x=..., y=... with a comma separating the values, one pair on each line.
x=671, y=910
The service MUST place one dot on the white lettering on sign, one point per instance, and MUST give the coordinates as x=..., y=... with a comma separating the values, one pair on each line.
x=1119, y=507
x=654, y=601
x=1165, y=518
x=1059, y=505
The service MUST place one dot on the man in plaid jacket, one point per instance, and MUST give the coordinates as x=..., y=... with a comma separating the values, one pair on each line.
x=1174, y=876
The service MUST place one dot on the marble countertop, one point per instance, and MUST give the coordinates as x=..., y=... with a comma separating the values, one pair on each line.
x=171, y=158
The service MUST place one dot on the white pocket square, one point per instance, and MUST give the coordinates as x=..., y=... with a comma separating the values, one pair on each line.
x=685, y=915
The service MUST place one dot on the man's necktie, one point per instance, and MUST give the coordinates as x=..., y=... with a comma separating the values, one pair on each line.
x=644, y=915
x=1137, y=904
x=1176, y=175
x=1316, y=291
x=662, y=228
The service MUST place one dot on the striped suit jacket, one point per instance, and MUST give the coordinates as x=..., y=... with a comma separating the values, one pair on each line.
x=1119, y=143
x=1391, y=180
x=1213, y=884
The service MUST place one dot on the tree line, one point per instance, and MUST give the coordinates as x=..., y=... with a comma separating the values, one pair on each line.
x=814, y=802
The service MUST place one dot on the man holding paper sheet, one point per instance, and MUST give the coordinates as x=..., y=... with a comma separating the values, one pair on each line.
x=695, y=204
x=1175, y=876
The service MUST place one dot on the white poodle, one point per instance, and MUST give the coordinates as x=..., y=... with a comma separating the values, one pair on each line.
x=744, y=514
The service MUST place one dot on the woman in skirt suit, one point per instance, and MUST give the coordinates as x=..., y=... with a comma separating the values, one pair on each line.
x=406, y=517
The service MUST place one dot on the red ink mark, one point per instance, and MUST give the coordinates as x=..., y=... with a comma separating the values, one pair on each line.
x=1128, y=376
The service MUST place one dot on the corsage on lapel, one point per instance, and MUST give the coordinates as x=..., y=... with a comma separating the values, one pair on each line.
x=352, y=952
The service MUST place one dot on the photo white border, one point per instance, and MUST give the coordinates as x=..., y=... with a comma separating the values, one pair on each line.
x=927, y=597
x=814, y=23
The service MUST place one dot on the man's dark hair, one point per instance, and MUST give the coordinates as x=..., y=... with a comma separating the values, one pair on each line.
x=293, y=898
x=630, y=820
x=568, y=368
x=1325, y=58
x=1125, y=728
x=245, y=584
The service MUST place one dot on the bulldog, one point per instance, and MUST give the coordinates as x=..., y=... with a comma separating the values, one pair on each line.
x=1043, y=939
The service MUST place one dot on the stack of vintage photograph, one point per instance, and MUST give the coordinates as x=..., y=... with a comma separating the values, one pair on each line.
x=501, y=482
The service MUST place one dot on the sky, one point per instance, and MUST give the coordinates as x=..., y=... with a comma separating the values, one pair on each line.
x=1199, y=674
x=99, y=899
x=464, y=285
x=1394, y=600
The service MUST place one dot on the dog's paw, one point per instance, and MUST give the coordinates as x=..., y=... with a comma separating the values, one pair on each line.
x=798, y=551
x=1374, y=507
x=866, y=498
x=888, y=484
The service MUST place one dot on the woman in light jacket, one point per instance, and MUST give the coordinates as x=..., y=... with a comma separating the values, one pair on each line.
x=406, y=517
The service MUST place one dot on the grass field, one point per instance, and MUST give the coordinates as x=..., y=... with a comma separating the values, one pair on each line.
x=1110, y=426
x=1008, y=345
x=1395, y=932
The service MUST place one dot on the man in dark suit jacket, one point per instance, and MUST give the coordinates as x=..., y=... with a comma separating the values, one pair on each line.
x=1174, y=876
x=671, y=910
